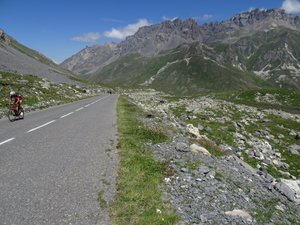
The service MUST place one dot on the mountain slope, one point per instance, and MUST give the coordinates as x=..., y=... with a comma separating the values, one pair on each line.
x=272, y=55
x=260, y=42
x=187, y=69
x=90, y=59
x=15, y=57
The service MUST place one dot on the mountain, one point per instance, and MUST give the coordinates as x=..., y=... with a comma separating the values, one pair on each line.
x=91, y=59
x=187, y=69
x=15, y=57
x=261, y=44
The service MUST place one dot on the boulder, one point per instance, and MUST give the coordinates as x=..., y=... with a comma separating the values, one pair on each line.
x=203, y=169
x=182, y=147
x=198, y=149
x=294, y=149
x=194, y=131
x=290, y=189
x=239, y=213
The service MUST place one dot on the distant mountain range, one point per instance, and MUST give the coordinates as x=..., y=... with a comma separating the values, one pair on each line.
x=15, y=57
x=252, y=49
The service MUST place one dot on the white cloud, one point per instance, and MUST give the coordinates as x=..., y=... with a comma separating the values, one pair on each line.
x=130, y=29
x=89, y=37
x=291, y=6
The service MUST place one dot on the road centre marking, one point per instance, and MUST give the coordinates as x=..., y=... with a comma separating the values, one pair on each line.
x=66, y=115
x=79, y=109
x=8, y=140
x=33, y=129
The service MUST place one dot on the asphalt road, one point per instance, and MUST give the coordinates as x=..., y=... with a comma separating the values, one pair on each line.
x=55, y=162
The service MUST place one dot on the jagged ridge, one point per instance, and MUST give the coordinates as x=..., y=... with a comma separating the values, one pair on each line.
x=245, y=42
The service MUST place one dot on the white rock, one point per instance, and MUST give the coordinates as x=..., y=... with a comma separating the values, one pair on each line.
x=280, y=207
x=239, y=213
x=198, y=149
x=275, y=162
x=167, y=180
x=193, y=130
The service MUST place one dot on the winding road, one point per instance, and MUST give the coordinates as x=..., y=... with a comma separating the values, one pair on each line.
x=57, y=164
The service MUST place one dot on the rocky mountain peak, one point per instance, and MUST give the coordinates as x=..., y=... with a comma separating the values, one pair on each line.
x=149, y=40
x=256, y=41
x=258, y=16
x=178, y=23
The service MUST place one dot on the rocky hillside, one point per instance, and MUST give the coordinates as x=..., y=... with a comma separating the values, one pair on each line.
x=263, y=43
x=15, y=57
x=41, y=93
x=227, y=163
x=91, y=59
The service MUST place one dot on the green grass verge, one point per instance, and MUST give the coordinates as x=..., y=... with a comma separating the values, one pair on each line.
x=140, y=176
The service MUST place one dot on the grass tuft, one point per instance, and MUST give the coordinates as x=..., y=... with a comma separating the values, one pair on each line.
x=101, y=200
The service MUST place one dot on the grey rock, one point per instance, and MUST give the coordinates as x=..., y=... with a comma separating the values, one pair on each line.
x=283, y=165
x=200, y=127
x=294, y=149
x=203, y=169
x=211, y=174
x=269, y=178
x=203, y=219
x=285, y=174
x=208, y=129
x=289, y=188
x=182, y=147
x=184, y=170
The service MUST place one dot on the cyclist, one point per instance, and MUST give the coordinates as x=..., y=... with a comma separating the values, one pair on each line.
x=17, y=101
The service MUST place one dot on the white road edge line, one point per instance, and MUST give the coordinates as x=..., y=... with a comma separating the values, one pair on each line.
x=8, y=140
x=66, y=115
x=33, y=129
x=79, y=109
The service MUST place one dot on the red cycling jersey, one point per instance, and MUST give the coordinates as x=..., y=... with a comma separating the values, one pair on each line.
x=17, y=99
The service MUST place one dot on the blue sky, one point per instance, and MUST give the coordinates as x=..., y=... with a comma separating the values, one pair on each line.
x=60, y=28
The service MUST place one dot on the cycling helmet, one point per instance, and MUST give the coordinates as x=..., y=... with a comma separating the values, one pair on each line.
x=12, y=93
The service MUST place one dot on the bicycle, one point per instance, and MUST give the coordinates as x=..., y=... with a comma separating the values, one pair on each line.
x=15, y=114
